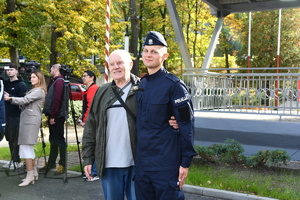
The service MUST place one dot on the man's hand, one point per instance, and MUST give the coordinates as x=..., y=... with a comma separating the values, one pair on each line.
x=88, y=171
x=52, y=121
x=173, y=122
x=80, y=122
x=183, y=172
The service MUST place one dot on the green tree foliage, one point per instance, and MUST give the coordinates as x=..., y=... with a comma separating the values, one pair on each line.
x=264, y=36
x=79, y=30
x=229, y=39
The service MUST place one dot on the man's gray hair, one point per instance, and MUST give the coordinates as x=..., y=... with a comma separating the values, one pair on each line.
x=123, y=52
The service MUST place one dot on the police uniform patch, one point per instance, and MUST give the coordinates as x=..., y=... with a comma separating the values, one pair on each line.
x=176, y=101
x=185, y=113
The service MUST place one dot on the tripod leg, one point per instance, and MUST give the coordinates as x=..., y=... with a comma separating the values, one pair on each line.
x=43, y=143
x=77, y=140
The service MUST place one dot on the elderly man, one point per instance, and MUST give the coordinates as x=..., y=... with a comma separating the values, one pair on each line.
x=163, y=153
x=109, y=133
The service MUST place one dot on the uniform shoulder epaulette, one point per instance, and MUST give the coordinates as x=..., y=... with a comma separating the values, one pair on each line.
x=172, y=77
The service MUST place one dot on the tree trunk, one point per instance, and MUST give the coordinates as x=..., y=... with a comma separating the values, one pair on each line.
x=227, y=59
x=54, y=53
x=13, y=51
x=134, y=37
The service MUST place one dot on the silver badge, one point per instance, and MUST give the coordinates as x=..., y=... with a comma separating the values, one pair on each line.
x=150, y=41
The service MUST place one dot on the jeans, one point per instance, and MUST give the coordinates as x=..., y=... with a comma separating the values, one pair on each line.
x=94, y=169
x=57, y=141
x=11, y=135
x=118, y=181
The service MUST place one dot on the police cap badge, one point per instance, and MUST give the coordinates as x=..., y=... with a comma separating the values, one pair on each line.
x=155, y=38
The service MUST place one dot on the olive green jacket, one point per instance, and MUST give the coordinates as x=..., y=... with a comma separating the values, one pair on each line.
x=94, y=134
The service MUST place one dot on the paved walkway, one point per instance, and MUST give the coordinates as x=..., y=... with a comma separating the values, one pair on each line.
x=74, y=187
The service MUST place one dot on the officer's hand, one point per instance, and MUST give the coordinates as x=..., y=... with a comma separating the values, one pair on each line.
x=183, y=172
x=173, y=122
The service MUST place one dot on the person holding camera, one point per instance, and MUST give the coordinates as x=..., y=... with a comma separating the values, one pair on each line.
x=55, y=109
x=15, y=86
x=30, y=121
x=89, y=80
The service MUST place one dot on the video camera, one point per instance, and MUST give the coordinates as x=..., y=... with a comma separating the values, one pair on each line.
x=2, y=68
x=29, y=67
x=66, y=71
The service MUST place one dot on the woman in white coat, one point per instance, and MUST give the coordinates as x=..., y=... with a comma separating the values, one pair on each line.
x=30, y=121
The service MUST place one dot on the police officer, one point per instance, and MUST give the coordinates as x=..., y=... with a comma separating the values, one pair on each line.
x=163, y=154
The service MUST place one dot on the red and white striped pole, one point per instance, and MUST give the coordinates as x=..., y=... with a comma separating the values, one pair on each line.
x=107, y=39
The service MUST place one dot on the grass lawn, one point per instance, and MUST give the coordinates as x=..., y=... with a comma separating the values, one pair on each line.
x=267, y=182
x=38, y=148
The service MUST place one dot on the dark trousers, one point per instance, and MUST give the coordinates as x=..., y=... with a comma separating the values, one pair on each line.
x=11, y=135
x=157, y=185
x=57, y=142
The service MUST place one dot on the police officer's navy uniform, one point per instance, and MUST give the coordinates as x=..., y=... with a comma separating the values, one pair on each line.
x=161, y=150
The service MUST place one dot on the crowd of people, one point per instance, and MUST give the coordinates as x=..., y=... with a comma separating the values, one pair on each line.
x=138, y=132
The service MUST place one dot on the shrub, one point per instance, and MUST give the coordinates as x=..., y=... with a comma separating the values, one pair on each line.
x=277, y=157
x=77, y=113
x=231, y=151
x=206, y=153
x=258, y=159
x=268, y=158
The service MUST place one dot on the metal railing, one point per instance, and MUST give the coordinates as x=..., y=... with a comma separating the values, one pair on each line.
x=255, y=92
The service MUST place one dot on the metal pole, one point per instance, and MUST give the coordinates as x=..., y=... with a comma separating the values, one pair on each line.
x=278, y=59
x=107, y=39
x=249, y=41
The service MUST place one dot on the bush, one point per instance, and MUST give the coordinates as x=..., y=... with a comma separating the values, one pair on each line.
x=277, y=157
x=231, y=152
x=258, y=159
x=77, y=113
x=268, y=158
x=206, y=153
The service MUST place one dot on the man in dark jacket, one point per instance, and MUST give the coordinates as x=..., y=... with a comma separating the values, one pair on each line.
x=15, y=86
x=55, y=109
x=163, y=154
x=109, y=136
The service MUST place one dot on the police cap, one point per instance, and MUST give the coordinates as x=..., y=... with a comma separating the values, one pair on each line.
x=155, y=38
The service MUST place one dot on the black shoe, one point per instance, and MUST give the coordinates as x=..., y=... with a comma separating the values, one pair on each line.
x=83, y=176
x=94, y=178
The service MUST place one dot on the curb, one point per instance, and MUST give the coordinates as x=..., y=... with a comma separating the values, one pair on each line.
x=223, y=194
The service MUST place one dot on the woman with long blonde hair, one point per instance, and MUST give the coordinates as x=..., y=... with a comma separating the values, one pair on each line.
x=30, y=121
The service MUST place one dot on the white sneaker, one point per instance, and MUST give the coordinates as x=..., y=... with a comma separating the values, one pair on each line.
x=6, y=165
x=17, y=164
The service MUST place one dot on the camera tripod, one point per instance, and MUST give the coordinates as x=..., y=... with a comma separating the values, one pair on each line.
x=66, y=96
x=19, y=170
